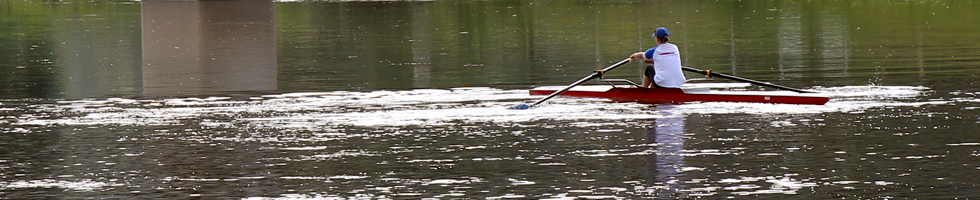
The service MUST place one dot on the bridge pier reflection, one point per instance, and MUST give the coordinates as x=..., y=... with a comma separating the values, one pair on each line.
x=202, y=47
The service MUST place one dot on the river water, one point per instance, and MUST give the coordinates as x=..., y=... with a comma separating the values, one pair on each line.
x=254, y=99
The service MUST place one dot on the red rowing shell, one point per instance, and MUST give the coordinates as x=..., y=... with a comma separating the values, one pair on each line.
x=668, y=95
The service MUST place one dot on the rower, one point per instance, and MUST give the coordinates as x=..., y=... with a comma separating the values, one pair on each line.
x=664, y=70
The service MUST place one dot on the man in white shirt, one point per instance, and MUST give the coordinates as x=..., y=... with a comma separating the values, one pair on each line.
x=665, y=59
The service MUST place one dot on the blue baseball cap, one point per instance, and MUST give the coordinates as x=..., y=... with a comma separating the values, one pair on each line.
x=661, y=33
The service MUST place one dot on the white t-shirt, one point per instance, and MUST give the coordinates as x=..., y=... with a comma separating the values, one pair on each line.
x=667, y=64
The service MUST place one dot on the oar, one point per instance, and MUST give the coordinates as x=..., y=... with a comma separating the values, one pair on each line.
x=736, y=78
x=596, y=74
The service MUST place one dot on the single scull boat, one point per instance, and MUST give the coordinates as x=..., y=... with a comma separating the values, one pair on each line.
x=687, y=93
x=691, y=92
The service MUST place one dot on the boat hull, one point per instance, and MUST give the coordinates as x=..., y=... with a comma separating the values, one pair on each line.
x=669, y=95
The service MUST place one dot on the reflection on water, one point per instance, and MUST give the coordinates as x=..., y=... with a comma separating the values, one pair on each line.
x=464, y=143
x=101, y=53
x=325, y=126
x=834, y=39
x=114, y=49
x=421, y=46
x=792, y=48
x=665, y=165
x=200, y=47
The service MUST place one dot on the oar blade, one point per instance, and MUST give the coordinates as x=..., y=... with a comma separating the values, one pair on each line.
x=520, y=107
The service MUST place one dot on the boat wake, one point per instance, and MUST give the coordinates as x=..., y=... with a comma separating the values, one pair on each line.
x=427, y=107
x=846, y=99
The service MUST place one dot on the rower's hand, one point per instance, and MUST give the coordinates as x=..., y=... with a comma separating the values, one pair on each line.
x=635, y=56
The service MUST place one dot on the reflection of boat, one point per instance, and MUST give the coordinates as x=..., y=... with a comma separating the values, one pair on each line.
x=691, y=92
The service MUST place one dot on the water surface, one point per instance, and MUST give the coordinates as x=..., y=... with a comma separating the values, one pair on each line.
x=406, y=100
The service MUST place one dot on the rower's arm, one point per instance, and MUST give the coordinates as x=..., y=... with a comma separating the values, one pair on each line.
x=641, y=56
x=637, y=55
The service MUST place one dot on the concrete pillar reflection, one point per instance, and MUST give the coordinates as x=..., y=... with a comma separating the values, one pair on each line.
x=421, y=45
x=833, y=35
x=731, y=35
x=792, y=48
x=206, y=47
x=96, y=57
x=917, y=25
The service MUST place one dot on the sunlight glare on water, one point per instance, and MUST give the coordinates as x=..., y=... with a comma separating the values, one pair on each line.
x=435, y=130
x=434, y=107
x=338, y=99
x=317, y=121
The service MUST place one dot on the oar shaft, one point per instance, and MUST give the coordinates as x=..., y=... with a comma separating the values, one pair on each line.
x=596, y=74
x=730, y=77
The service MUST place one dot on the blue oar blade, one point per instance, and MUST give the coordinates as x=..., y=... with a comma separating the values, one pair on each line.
x=520, y=107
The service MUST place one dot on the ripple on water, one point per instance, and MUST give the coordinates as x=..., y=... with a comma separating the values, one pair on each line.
x=304, y=126
x=82, y=185
x=429, y=107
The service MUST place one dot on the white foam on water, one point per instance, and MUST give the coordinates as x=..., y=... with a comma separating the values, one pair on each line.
x=346, y=177
x=299, y=197
x=484, y=112
x=303, y=148
x=515, y=182
x=777, y=185
x=315, y=110
x=965, y=144
x=844, y=99
x=82, y=185
x=446, y=182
